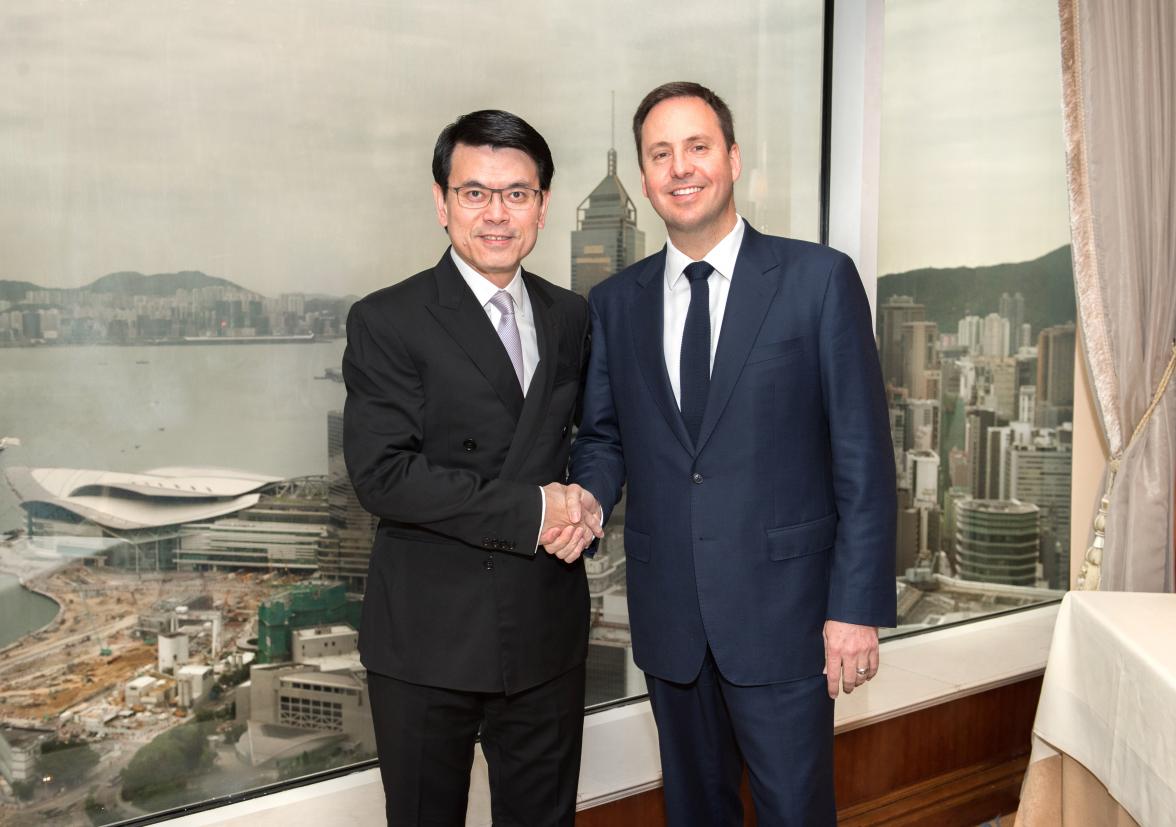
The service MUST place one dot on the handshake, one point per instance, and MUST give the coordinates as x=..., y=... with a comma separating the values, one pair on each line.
x=571, y=520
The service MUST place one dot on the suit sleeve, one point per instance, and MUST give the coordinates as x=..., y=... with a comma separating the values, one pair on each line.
x=861, y=585
x=383, y=426
x=598, y=463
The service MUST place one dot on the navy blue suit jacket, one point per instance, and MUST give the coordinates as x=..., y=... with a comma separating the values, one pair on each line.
x=783, y=514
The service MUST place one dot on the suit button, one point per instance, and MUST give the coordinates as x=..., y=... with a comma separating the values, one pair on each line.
x=489, y=565
x=469, y=445
x=696, y=478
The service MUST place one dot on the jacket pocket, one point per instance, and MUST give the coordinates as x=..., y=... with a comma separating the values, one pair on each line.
x=801, y=539
x=637, y=545
x=775, y=350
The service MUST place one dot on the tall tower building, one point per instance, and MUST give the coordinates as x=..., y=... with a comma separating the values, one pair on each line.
x=1013, y=308
x=1055, y=375
x=898, y=311
x=979, y=420
x=920, y=359
x=1041, y=475
x=344, y=552
x=606, y=238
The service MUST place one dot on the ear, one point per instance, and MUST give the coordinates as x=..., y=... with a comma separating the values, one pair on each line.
x=736, y=162
x=442, y=209
x=644, y=189
x=543, y=208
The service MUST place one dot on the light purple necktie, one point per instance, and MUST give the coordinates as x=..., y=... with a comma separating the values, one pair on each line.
x=508, y=331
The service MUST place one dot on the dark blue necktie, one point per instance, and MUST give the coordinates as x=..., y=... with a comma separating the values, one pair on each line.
x=694, y=376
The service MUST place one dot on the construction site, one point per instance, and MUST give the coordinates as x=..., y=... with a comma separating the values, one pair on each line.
x=127, y=657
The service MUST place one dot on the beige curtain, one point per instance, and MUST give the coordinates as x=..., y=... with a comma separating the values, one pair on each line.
x=1119, y=89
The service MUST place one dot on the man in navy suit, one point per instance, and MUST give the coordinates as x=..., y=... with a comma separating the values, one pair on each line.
x=734, y=385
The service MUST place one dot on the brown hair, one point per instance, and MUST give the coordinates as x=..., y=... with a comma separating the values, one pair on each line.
x=683, y=89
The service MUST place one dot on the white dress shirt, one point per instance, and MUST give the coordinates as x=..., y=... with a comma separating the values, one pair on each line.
x=484, y=290
x=676, y=301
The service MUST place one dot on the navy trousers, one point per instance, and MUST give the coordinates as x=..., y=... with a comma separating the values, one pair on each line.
x=707, y=728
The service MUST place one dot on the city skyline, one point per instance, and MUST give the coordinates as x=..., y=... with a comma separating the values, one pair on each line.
x=229, y=139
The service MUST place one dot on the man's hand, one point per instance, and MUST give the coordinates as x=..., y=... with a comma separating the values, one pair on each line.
x=580, y=513
x=851, y=655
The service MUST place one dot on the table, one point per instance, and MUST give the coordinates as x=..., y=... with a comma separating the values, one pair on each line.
x=1107, y=715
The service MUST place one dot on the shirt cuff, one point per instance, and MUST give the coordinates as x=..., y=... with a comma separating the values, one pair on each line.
x=542, y=516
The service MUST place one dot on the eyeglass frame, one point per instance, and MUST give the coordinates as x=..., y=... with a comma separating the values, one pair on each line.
x=499, y=191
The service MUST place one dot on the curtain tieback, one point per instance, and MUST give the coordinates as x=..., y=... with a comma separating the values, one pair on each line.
x=1091, y=574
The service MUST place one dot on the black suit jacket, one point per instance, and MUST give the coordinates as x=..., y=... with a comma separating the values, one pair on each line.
x=442, y=446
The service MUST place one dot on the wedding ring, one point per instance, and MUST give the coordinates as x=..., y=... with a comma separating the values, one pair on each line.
x=861, y=671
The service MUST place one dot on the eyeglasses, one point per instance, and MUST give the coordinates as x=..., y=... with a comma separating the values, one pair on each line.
x=513, y=198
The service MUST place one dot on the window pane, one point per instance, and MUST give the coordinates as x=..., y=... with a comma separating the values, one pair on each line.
x=178, y=491
x=976, y=305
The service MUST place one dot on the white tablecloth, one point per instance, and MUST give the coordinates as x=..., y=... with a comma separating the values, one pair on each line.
x=1108, y=699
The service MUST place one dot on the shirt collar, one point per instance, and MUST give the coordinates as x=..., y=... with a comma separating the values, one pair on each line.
x=484, y=289
x=722, y=256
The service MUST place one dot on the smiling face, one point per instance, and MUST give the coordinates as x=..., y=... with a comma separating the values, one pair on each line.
x=688, y=173
x=492, y=239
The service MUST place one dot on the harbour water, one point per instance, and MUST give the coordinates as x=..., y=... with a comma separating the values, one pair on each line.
x=253, y=407
x=21, y=611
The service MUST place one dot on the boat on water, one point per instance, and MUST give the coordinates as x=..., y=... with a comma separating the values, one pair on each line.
x=8, y=442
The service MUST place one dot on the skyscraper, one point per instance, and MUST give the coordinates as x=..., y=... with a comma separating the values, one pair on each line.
x=606, y=238
x=1055, y=375
x=898, y=311
x=344, y=552
x=1041, y=475
x=920, y=358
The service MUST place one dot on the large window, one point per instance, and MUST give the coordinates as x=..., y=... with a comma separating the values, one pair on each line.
x=975, y=305
x=193, y=196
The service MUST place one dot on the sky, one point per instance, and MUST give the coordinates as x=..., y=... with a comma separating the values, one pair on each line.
x=285, y=144
x=973, y=165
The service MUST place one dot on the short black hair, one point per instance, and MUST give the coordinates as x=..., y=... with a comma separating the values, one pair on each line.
x=684, y=89
x=495, y=128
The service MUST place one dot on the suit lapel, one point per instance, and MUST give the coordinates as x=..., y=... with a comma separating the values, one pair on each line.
x=753, y=285
x=535, y=405
x=649, y=347
x=457, y=310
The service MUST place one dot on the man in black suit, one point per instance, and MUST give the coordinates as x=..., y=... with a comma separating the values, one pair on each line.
x=462, y=384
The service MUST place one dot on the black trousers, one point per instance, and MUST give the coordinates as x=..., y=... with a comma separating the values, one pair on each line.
x=709, y=727
x=531, y=739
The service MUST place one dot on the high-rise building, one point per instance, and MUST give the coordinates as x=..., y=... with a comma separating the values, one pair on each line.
x=1027, y=404
x=998, y=443
x=345, y=550
x=979, y=420
x=898, y=311
x=923, y=474
x=1041, y=475
x=1002, y=386
x=1013, y=308
x=996, y=335
x=920, y=357
x=1055, y=375
x=921, y=425
x=996, y=541
x=606, y=238
x=970, y=333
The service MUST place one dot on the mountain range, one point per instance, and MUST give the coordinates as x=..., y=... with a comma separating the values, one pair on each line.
x=131, y=283
x=950, y=293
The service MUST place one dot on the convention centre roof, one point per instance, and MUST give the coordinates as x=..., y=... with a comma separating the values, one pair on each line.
x=125, y=501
